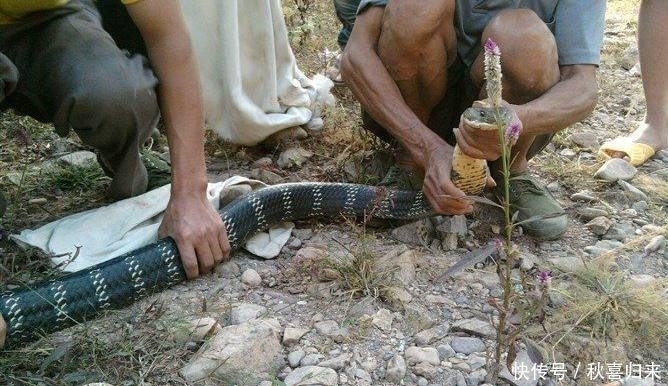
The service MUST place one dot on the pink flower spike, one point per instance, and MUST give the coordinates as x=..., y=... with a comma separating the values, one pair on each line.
x=513, y=132
x=491, y=48
x=544, y=278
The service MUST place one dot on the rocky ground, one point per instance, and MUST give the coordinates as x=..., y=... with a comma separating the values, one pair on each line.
x=348, y=303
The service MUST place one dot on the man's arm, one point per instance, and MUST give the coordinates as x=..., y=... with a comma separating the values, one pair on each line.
x=189, y=219
x=369, y=80
x=569, y=101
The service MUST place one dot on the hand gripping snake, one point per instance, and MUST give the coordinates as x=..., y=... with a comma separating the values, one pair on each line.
x=80, y=296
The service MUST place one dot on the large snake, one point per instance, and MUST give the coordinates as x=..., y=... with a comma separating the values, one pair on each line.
x=80, y=296
x=116, y=283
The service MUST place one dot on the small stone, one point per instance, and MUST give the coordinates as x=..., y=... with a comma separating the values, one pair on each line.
x=567, y=263
x=228, y=270
x=588, y=213
x=251, y=278
x=396, y=369
x=632, y=192
x=383, y=320
x=599, y=225
x=363, y=375
x=430, y=335
x=292, y=335
x=326, y=327
x=197, y=330
x=336, y=363
x=445, y=351
x=422, y=354
x=311, y=360
x=642, y=281
x=262, y=162
x=584, y=196
x=528, y=261
x=426, y=370
x=568, y=153
x=79, y=158
x=266, y=176
x=655, y=244
x=640, y=206
x=553, y=187
x=616, y=169
x=244, y=312
x=293, y=157
x=475, y=327
x=587, y=139
x=467, y=345
x=312, y=375
x=295, y=357
x=620, y=232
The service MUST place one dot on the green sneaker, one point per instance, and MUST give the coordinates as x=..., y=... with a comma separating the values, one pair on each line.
x=159, y=171
x=402, y=178
x=532, y=200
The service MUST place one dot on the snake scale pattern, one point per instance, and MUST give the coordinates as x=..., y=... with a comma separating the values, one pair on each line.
x=80, y=296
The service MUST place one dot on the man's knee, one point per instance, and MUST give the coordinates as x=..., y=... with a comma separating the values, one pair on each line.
x=412, y=24
x=529, y=50
x=111, y=109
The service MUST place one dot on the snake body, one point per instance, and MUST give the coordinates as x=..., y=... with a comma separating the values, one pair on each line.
x=80, y=296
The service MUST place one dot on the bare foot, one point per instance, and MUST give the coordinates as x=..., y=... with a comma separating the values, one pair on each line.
x=654, y=136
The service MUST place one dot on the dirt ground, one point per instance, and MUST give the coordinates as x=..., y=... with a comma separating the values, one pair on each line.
x=134, y=346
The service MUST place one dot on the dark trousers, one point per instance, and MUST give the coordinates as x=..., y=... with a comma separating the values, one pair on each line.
x=63, y=67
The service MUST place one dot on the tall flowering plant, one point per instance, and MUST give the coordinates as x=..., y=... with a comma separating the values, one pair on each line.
x=508, y=133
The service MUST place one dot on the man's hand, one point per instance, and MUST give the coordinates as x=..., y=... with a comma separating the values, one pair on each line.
x=198, y=231
x=482, y=144
x=442, y=194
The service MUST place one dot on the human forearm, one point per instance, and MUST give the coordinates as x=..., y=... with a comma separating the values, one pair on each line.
x=569, y=101
x=377, y=92
x=179, y=92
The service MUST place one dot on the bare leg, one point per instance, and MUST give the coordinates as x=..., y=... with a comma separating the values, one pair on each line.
x=530, y=65
x=417, y=44
x=653, y=47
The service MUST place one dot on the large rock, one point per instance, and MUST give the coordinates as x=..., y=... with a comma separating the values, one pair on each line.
x=225, y=357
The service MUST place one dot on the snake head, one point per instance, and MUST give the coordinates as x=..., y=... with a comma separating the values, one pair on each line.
x=482, y=115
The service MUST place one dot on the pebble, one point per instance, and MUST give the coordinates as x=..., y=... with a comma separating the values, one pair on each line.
x=228, y=270
x=632, y=192
x=655, y=244
x=295, y=357
x=336, y=363
x=396, y=369
x=262, y=162
x=616, y=169
x=422, y=354
x=620, y=232
x=640, y=206
x=425, y=370
x=589, y=213
x=475, y=327
x=293, y=157
x=430, y=335
x=79, y=158
x=251, y=278
x=266, y=176
x=383, y=320
x=312, y=375
x=292, y=335
x=584, y=196
x=599, y=225
x=311, y=360
x=467, y=345
x=445, y=351
x=243, y=312
x=584, y=139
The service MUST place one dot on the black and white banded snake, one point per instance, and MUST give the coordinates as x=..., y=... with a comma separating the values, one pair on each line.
x=80, y=296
